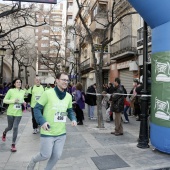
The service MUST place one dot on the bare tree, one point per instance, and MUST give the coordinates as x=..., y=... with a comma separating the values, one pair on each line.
x=15, y=17
x=15, y=43
x=52, y=58
x=106, y=36
x=27, y=55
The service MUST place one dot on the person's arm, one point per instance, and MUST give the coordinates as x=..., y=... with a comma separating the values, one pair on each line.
x=7, y=99
x=77, y=95
x=38, y=109
x=71, y=114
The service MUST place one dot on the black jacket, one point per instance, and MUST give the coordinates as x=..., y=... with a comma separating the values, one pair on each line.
x=117, y=100
x=89, y=98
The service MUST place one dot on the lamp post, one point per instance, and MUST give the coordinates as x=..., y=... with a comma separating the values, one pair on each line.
x=143, y=135
x=2, y=54
x=76, y=52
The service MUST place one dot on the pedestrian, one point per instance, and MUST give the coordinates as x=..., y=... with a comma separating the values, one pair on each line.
x=56, y=105
x=14, y=98
x=117, y=106
x=91, y=100
x=80, y=103
x=126, y=107
x=35, y=93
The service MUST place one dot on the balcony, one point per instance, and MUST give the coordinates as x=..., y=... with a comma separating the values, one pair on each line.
x=140, y=37
x=86, y=66
x=96, y=25
x=121, y=7
x=124, y=47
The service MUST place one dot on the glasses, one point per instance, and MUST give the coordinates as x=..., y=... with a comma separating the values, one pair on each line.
x=65, y=80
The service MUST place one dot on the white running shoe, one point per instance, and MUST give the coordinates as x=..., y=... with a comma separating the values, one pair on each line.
x=31, y=165
x=35, y=131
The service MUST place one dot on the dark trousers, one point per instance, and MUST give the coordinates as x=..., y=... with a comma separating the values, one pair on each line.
x=79, y=113
x=137, y=109
x=34, y=123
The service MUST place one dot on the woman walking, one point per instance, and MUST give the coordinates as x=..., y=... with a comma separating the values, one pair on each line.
x=15, y=99
x=80, y=103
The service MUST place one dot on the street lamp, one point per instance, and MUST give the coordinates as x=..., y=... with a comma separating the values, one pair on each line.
x=2, y=54
x=76, y=52
x=143, y=134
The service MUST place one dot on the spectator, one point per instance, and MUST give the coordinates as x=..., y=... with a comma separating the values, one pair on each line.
x=117, y=106
x=91, y=100
x=80, y=103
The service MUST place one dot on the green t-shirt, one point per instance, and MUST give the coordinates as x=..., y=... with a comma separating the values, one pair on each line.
x=55, y=112
x=10, y=97
x=36, y=92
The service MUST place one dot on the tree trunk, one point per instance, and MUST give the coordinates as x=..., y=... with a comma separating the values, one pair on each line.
x=13, y=57
x=26, y=75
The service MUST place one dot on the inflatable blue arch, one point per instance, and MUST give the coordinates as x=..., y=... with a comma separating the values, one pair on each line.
x=156, y=14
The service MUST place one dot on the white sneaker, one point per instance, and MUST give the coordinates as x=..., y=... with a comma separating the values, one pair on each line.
x=31, y=165
x=93, y=118
x=35, y=131
x=126, y=121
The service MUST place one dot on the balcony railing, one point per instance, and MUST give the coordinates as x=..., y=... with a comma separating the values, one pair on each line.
x=85, y=65
x=127, y=43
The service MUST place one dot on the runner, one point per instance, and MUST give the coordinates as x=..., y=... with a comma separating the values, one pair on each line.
x=35, y=93
x=15, y=99
x=56, y=105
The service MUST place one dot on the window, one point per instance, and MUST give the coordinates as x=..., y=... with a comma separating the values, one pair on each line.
x=44, y=74
x=69, y=17
x=69, y=4
x=45, y=38
x=94, y=12
x=44, y=45
x=102, y=8
x=45, y=31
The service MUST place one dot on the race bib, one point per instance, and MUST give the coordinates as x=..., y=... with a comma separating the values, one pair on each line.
x=59, y=117
x=37, y=98
x=17, y=106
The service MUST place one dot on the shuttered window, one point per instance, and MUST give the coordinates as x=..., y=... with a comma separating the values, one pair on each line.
x=126, y=78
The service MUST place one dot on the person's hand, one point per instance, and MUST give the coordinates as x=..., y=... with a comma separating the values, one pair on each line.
x=46, y=126
x=74, y=123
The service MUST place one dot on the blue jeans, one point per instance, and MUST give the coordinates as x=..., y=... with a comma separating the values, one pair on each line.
x=90, y=111
x=125, y=113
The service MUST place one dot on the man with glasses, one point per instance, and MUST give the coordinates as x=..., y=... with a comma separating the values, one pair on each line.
x=56, y=105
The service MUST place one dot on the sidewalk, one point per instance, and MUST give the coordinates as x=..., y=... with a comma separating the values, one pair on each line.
x=86, y=148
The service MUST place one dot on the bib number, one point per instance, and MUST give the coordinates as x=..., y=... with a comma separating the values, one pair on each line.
x=17, y=106
x=59, y=118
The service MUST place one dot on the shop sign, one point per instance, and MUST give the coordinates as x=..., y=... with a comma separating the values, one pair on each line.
x=123, y=65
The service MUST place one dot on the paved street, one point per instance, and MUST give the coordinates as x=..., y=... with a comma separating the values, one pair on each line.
x=86, y=148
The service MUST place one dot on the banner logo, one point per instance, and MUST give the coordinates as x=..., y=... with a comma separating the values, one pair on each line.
x=162, y=71
x=162, y=109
